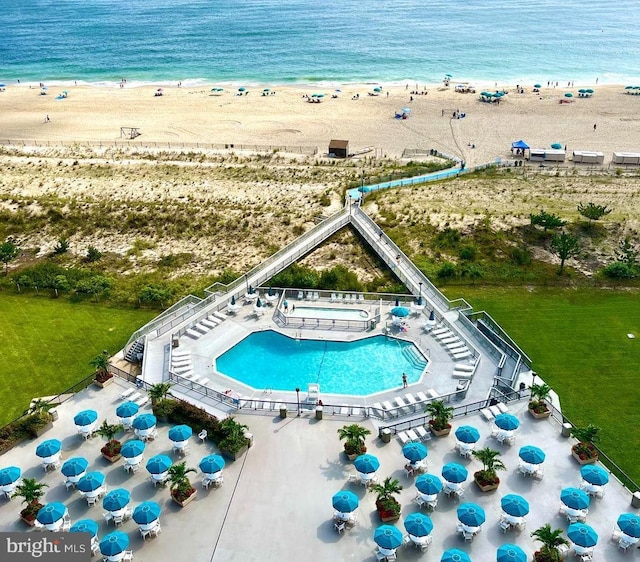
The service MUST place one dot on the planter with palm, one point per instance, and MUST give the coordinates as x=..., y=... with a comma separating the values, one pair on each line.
x=585, y=451
x=233, y=440
x=30, y=490
x=158, y=393
x=182, y=492
x=101, y=365
x=538, y=406
x=37, y=418
x=440, y=414
x=551, y=540
x=487, y=478
x=387, y=505
x=353, y=436
x=111, y=451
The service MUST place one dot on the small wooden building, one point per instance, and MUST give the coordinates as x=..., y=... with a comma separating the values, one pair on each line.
x=339, y=148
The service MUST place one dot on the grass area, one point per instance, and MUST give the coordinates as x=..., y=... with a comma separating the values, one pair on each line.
x=48, y=344
x=577, y=340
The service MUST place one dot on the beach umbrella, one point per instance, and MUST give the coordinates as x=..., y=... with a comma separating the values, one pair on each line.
x=582, y=535
x=366, y=464
x=251, y=290
x=90, y=482
x=471, y=514
x=146, y=512
x=629, y=524
x=345, y=501
x=419, y=301
x=85, y=526
x=127, y=409
x=454, y=472
x=508, y=422
x=114, y=543
x=158, y=464
x=582, y=91
x=556, y=145
x=594, y=474
x=132, y=448
x=9, y=475
x=429, y=484
x=531, y=454
x=116, y=499
x=48, y=448
x=514, y=505
x=211, y=464
x=377, y=89
x=589, y=91
x=418, y=525
x=271, y=292
x=414, y=452
x=3, y=85
x=467, y=434
x=266, y=89
x=180, y=433
x=241, y=89
x=568, y=95
x=51, y=513
x=575, y=498
x=629, y=87
x=74, y=466
x=455, y=555
x=511, y=553
x=258, y=303
x=400, y=311
x=319, y=95
x=432, y=318
x=449, y=75
x=144, y=421
x=388, y=536
x=338, y=91
x=537, y=85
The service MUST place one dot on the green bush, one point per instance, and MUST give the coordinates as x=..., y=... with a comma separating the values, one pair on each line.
x=446, y=271
x=468, y=252
x=618, y=271
x=520, y=256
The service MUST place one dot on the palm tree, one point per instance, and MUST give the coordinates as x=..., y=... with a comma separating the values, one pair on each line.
x=109, y=432
x=179, y=482
x=387, y=505
x=159, y=391
x=440, y=415
x=31, y=491
x=539, y=393
x=551, y=540
x=354, y=435
x=586, y=436
x=490, y=466
x=101, y=365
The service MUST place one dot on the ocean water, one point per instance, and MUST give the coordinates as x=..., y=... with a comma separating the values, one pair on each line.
x=296, y=41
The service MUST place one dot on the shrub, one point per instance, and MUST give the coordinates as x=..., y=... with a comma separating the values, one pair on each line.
x=618, y=271
x=468, y=252
x=447, y=271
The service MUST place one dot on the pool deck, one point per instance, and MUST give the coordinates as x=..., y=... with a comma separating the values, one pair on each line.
x=275, y=503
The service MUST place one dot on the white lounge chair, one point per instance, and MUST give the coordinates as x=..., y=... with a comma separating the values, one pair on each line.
x=487, y=414
x=412, y=435
x=333, y=297
x=432, y=393
x=423, y=433
x=142, y=401
x=126, y=393
x=502, y=407
x=404, y=438
x=208, y=323
x=422, y=397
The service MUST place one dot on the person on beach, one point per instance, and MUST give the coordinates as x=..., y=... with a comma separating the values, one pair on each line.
x=46, y=120
x=594, y=126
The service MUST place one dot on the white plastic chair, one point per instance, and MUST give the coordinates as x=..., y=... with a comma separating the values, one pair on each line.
x=202, y=435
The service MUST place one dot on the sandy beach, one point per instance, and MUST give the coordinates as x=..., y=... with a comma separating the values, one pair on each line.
x=284, y=117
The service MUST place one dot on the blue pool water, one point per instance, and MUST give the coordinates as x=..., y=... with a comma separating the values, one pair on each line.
x=270, y=360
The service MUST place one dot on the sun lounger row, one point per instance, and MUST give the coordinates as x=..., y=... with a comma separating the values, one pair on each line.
x=205, y=325
x=402, y=406
x=419, y=433
x=348, y=298
x=133, y=396
x=491, y=412
x=463, y=372
x=454, y=345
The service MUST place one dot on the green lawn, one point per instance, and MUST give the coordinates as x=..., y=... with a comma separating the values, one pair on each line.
x=577, y=340
x=47, y=345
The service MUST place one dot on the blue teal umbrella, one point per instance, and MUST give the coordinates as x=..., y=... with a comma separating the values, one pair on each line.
x=471, y=514
x=582, y=91
x=211, y=464
x=589, y=91
x=531, y=454
x=144, y=421
x=127, y=409
x=266, y=89
x=9, y=475
x=251, y=290
x=594, y=474
x=400, y=311
x=366, y=464
x=85, y=526
x=414, y=452
x=48, y=448
x=345, y=501
x=86, y=417
x=377, y=89
x=629, y=524
x=271, y=292
x=568, y=95
x=454, y=472
x=180, y=433
x=429, y=484
x=467, y=434
x=511, y=553
x=74, y=466
x=508, y=422
x=116, y=499
x=556, y=146
x=449, y=75
x=575, y=498
x=146, y=512
x=132, y=448
x=537, y=85
x=582, y=535
x=418, y=525
x=114, y=543
x=51, y=513
x=388, y=536
x=241, y=89
x=455, y=555
x=158, y=464
x=514, y=505
x=90, y=482
x=259, y=303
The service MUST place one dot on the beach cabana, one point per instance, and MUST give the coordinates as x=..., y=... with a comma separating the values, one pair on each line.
x=339, y=148
x=518, y=147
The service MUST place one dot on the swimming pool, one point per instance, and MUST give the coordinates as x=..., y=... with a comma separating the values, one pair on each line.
x=271, y=360
x=328, y=313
